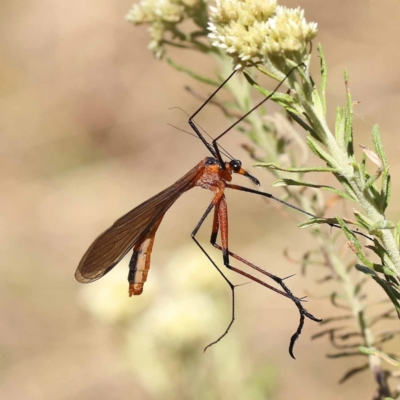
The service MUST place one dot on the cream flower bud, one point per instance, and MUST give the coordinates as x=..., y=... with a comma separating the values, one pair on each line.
x=254, y=30
x=162, y=16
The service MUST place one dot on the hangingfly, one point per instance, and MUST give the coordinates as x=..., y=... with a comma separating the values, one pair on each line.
x=136, y=230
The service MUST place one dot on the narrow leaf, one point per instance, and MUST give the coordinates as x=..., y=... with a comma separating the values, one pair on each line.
x=388, y=267
x=369, y=184
x=354, y=243
x=314, y=120
x=192, y=74
x=349, y=190
x=324, y=76
x=293, y=182
x=305, y=126
x=317, y=102
x=385, y=194
x=320, y=221
x=382, y=224
x=294, y=170
x=340, y=128
x=362, y=166
x=348, y=118
x=397, y=234
x=344, y=354
x=363, y=220
x=282, y=99
x=318, y=151
x=269, y=73
x=390, y=291
x=353, y=371
x=371, y=351
x=376, y=138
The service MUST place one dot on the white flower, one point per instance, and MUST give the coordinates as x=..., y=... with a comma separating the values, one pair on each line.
x=162, y=16
x=254, y=30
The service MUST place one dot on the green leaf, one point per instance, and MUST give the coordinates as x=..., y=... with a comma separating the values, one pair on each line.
x=359, y=286
x=366, y=270
x=348, y=119
x=354, y=243
x=339, y=192
x=369, y=184
x=386, y=189
x=381, y=224
x=282, y=99
x=319, y=152
x=376, y=138
x=362, y=165
x=340, y=128
x=305, y=126
x=294, y=170
x=324, y=76
x=293, y=182
x=268, y=73
x=397, y=234
x=391, y=292
x=363, y=220
x=353, y=371
x=320, y=221
x=347, y=186
x=192, y=74
x=388, y=268
x=312, y=222
x=371, y=351
x=317, y=102
x=314, y=120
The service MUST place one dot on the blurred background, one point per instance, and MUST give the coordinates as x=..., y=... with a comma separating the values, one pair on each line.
x=84, y=138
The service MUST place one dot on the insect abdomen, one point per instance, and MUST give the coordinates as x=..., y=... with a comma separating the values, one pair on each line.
x=139, y=264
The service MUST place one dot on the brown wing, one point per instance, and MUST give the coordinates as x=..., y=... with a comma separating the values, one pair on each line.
x=112, y=245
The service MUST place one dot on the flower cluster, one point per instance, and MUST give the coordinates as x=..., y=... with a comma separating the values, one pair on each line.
x=162, y=16
x=260, y=31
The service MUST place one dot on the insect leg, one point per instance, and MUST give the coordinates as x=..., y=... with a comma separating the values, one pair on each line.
x=215, y=141
x=223, y=225
x=210, y=148
x=271, y=196
x=221, y=221
x=213, y=204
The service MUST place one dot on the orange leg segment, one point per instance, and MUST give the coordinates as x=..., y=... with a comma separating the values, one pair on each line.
x=221, y=223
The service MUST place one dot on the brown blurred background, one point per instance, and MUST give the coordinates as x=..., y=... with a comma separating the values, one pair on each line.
x=84, y=138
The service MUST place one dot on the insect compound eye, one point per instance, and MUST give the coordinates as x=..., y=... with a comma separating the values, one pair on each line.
x=211, y=161
x=235, y=165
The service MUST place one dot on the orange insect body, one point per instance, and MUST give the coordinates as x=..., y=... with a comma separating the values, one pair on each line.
x=140, y=262
x=137, y=229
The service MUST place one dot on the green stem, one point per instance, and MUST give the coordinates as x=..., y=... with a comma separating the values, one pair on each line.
x=350, y=291
x=344, y=165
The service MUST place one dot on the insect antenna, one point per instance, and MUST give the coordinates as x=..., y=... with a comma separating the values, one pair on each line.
x=224, y=151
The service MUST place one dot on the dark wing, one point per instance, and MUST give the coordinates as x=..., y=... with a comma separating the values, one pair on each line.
x=112, y=245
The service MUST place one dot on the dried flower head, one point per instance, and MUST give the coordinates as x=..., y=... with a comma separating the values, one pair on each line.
x=260, y=31
x=163, y=16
